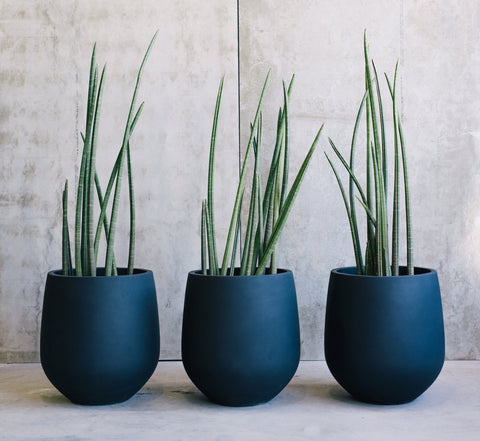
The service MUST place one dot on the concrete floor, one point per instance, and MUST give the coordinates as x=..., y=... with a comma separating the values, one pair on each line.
x=169, y=407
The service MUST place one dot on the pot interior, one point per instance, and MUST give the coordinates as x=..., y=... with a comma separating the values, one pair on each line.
x=352, y=270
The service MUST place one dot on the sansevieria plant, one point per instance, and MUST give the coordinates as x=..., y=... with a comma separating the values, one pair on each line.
x=269, y=205
x=88, y=229
x=380, y=259
x=112, y=322
x=230, y=306
x=394, y=345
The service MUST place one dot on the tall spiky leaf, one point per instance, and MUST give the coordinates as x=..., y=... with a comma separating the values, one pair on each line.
x=382, y=130
x=259, y=235
x=249, y=231
x=203, y=232
x=254, y=207
x=396, y=184
x=274, y=163
x=353, y=178
x=105, y=219
x=286, y=149
x=292, y=194
x=378, y=214
x=81, y=191
x=102, y=218
x=241, y=183
x=211, y=263
x=211, y=163
x=353, y=227
x=66, y=253
x=369, y=256
x=131, y=198
x=373, y=111
x=126, y=139
x=353, y=212
x=277, y=201
x=236, y=240
x=90, y=179
x=408, y=215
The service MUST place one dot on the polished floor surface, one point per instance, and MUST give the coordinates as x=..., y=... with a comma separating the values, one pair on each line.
x=169, y=407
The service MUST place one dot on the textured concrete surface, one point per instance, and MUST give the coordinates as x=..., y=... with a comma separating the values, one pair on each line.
x=437, y=46
x=45, y=48
x=45, y=52
x=169, y=407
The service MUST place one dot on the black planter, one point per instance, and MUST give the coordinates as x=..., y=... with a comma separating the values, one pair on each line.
x=384, y=337
x=100, y=337
x=240, y=337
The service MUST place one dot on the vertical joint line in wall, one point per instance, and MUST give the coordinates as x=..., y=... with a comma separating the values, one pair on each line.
x=238, y=111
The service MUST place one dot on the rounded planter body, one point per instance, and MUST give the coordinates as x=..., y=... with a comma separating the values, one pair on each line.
x=240, y=336
x=384, y=336
x=100, y=336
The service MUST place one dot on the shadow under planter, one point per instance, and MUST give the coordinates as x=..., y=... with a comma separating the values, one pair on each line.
x=100, y=338
x=384, y=336
x=240, y=336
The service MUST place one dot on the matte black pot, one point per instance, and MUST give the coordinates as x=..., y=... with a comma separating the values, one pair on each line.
x=384, y=336
x=240, y=337
x=100, y=336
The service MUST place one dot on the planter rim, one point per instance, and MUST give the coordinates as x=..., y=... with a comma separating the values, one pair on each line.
x=345, y=271
x=136, y=272
x=198, y=273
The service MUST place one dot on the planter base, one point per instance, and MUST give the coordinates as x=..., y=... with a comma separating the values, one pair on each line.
x=384, y=336
x=240, y=337
x=100, y=336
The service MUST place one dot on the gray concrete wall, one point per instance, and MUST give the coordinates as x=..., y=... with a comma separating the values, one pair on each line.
x=45, y=48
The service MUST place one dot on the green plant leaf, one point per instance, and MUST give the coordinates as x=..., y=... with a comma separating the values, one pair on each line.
x=203, y=230
x=211, y=261
x=80, y=231
x=408, y=216
x=66, y=253
x=210, y=195
x=370, y=215
x=286, y=150
x=351, y=189
x=131, y=198
x=254, y=206
x=382, y=130
x=103, y=217
x=241, y=183
x=123, y=150
x=356, y=244
x=350, y=171
x=90, y=178
x=280, y=223
x=236, y=239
